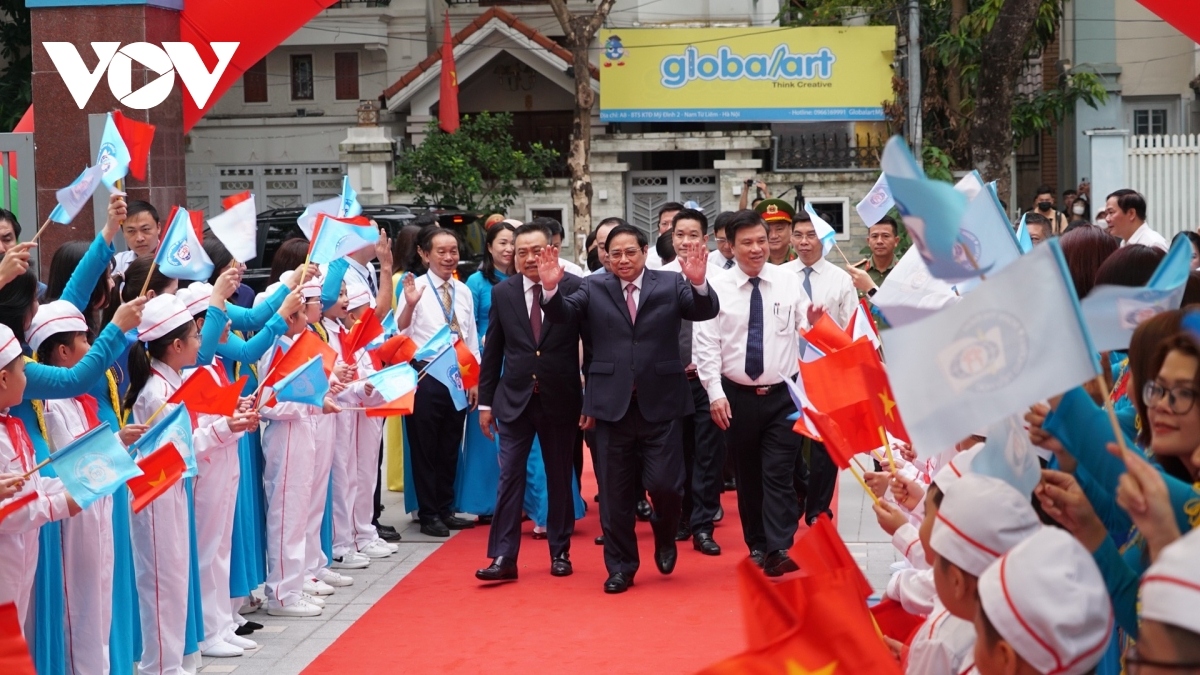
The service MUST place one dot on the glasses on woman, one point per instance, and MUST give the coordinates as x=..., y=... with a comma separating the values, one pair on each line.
x=1136, y=665
x=1180, y=399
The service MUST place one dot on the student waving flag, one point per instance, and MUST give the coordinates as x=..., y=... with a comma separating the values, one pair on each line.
x=94, y=465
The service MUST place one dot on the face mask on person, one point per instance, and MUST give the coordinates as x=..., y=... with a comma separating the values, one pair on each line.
x=1045, y=206
x=1077, y=210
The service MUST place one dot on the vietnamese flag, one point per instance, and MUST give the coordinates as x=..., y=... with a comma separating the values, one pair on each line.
x=767, y=615
x=851, y=387
x=202, y=394
x=894, y=622
x=14, y=653
x=826, y=335
x=302, y=351
x=401, y=406
x=13, y=505
x=396, y=349
x=161, y=469
x=361, y=334
x=448, y=100
x=138, y=137
x=840, y=450
x=468, y=367
x=821, y=550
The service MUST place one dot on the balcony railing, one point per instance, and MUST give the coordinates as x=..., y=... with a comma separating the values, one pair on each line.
x=346, y=4
x=829, y=151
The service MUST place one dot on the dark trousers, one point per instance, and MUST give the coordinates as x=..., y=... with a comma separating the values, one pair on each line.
x=577, y=454
x=761, y=438
x=435, y=432
x=822, y=477
x=623, y=447
x=557, y=434
x=379, y=485
x=703, y=461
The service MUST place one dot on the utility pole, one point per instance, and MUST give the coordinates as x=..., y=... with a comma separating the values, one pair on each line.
x=914, y=78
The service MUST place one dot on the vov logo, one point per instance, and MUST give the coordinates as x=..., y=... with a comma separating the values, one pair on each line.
x=171, y=58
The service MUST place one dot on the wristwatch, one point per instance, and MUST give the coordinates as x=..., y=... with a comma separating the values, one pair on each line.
x=871, y=293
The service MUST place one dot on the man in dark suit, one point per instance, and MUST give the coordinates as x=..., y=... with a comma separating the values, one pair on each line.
x=636, y=386
x=540, y=394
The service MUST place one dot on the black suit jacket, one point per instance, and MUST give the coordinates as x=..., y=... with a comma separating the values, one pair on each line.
x=553, y=363
x=645, y=353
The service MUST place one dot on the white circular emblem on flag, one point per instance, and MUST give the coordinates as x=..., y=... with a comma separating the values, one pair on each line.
x=988, y=352
x=95, y=471
x=303, y=387
x=455, y=376
x=877, y=198
x=181, y=254
x=967, y=241
x=107, y=157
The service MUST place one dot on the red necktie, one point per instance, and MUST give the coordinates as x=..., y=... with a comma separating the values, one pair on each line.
x=535, y=314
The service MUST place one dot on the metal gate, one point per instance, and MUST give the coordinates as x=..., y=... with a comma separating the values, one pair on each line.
x=274, y=186
x=19, y=195
x=647, y=191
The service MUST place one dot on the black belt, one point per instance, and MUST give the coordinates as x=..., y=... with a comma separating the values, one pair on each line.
x=692, y=374
x=757, y=390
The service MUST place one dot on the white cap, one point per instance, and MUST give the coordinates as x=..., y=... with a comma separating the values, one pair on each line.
x=55, y=317
x=1048, y=601
x=513, y=221
x=358, y=293
x=10, y=347
x=980, y=519
x=195, y=297
x=1171, y=587
x=311, y=288
x=163, y=314
x=958, y=466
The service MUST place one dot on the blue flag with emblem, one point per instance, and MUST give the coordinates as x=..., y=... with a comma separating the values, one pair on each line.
x=175, y=427
x=348, y=206
x=113, y=156
x=75, y=196
x=180, y=255
x=994, y=353
x=394, y=382
x=306, y=384
x=1023, y=236
x=1009, y=455
x=440, y=342
x=445, y=369
x=1113, y=312
x=932, y=210
x=94, y=465
x=824, y=230
x=877, y=203
x=986, y=232
x=335, y=238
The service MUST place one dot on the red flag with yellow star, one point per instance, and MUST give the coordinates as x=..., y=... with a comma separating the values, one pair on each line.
x=849, y=377
x=160, y=470
x=448, y=98
x=468, y=367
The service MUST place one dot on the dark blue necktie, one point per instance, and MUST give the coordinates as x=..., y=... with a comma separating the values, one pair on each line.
x=807, y=283
x=754, y=336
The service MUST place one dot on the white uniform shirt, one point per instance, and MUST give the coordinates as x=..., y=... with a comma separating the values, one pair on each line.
x=711, y=273
x=943, y=645
x=122, y=260
x=428, y=317
x=367, y=275
x=571, y=268
x=1147, y=237
x=832, y=288
x=913, y=589
x=720, y=344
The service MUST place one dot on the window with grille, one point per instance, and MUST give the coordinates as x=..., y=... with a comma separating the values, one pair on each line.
x=302, y=77
x=345, y=75
x=1150, y=122
x=254, y=83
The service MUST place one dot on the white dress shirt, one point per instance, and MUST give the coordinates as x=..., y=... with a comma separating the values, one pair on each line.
x=720, y=344
x=832, y=288
x=428, y=318
x=367, y=275
x=528, y=285
x=571, y=268
x=711, y=273
x=653, y=261
x=1147, y=237
x=121, y=261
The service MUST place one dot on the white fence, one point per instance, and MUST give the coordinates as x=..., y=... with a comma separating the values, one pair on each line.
x=1166, y=170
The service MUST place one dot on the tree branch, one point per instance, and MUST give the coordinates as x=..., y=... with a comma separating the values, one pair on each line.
x=564, y=18
x=598, y=17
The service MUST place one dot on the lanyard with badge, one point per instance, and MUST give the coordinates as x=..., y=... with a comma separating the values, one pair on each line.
x=447, y=314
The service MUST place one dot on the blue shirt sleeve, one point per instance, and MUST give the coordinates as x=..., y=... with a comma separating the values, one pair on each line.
x=43, y=381
x=210, y=335
x=253, y=319
x=331, y=285
x=1085, y=431
x=1122, y=584
x=250, y=351
x=83, y=280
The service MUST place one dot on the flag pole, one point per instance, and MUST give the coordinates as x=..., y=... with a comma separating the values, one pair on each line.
x=40, y=231
x=971, y=258
x=150, y=275
x=839, y=250
x=888, y=448
x=35, y=469
x=863, y=483
x=155, y=414
x=1112, y=414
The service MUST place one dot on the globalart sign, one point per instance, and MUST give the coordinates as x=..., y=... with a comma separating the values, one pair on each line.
x=746, y=74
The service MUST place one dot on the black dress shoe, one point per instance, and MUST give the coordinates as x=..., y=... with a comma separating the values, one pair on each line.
x=778, y=564
x=643, y=510
x=387, y=533
x=809, y=520
x=456, y=523
x=720, y=514
x=683, y=533
x=501, y=569
x=483, y=520
x=665, y=557
x=243, y=630
x=703, y=542
x=252, y=625
x=539, y=535
x=600, y=540
x=730, y=485
x=618, y=582
x=759, y=558
x=560, y=565
x=434, y=527
x=596, y=498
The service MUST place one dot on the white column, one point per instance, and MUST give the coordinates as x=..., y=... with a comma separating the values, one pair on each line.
x=1108, y=164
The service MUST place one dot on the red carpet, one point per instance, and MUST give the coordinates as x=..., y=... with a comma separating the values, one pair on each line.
x=448, y=622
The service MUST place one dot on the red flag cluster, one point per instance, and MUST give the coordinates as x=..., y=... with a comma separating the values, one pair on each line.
x=201, y=394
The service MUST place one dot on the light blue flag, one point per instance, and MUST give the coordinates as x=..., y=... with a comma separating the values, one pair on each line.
x=986, y=232
x=389, y=324
x=910, y=293
x=1009, y=456
x=180, y=255
x=113, y=156
x=307, y=384
x=877, y=203
x=992, y=354
x=1023, y=236
x=176, y=428
x=335, y=238
x=445, y=370
x=394, y=382
x=307, y=221
x=1113, y=312
x=75, y=196
x=437, y=344
x=348, y=205
x=932, y=210
x=824, y=230
x=94, y=465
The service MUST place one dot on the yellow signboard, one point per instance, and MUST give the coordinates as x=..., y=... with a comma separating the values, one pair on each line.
x=763, y=74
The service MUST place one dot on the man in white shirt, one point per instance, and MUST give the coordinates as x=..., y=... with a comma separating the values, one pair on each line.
x=744, y=356
x=828, y=290
x=602, y=231
x=141, y=231
x=724, y=260
x=556, y=240
x=666, y=215
x=1125, y=212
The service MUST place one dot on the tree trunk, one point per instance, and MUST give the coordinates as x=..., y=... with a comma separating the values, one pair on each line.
x=958, y=9
x=1003, y=50
x=581, y=150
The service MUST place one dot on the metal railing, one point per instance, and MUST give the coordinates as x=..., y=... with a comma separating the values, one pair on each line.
x=827, y=151
x=345, y=4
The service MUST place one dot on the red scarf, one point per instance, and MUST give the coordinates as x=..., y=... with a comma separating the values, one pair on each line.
x=22, y=444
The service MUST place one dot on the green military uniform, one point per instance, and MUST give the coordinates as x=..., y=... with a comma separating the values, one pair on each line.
x=877, y=275
x=778, y=211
